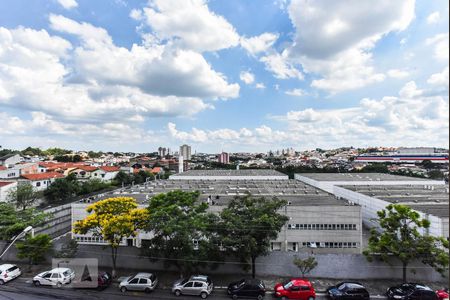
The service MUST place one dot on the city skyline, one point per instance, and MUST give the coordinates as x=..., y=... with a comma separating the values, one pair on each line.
x=119, y=76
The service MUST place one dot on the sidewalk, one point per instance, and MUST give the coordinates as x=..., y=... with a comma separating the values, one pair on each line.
x=166, y=278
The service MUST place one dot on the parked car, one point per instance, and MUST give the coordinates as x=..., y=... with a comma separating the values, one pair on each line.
x=104, y=279
x=348, y=291
x=8, y=272
x=411, y=291
x=56, y=276
x=198, y=285
x=145, y=282
x=247, y=288
x=295, y=288
x=442, y=294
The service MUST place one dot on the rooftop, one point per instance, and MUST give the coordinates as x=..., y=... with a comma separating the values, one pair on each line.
x=359, y=177
x=43, y=176
x=431, y=199
x=229, y=173
x=5, y=183
x=222, y=191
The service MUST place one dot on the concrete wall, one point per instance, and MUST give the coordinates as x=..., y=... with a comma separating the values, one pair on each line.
x=59, y=223
x=338, y=266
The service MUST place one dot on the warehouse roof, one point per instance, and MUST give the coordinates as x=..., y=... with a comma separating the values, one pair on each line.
x=358, y=177
x=229, y=173
x=431, y=199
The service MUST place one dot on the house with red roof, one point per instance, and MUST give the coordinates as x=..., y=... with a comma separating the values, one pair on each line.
x=41, y=181
x=5, y=188
x=82, y=172
x=105, y=173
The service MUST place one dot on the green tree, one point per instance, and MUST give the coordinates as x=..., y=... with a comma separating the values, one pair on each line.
x=62, y=189
x=305, y=265
x=183, y=231
x=399, y=236
x=248, y=224
x=23, y=195
x=435, y=174
x=56, y=151
x=34, y=248
x=32, y=151
x=68, y=250
x=122, y=178
x=113, y=219
x=13, y=222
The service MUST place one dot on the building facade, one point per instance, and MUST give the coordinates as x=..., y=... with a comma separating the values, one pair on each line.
x=185, y=151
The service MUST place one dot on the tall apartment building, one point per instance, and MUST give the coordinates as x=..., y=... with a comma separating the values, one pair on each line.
x=185, y=151
x=224, y=158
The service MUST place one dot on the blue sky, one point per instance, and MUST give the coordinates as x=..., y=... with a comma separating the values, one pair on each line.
x=237, y=75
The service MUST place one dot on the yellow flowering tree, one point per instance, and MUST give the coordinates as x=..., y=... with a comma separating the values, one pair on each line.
x=113, y=219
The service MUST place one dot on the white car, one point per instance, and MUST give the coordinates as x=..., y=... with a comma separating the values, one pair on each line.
x=8, y=272
x=57, y=276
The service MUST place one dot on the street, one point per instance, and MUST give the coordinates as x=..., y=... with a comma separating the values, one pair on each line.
x=22, y=289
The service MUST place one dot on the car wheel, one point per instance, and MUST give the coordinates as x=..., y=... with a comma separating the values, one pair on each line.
x=204, y=295
x=260, y=297
x=37, y=283
x=283, y=298
x=2, y=282
x=123, y=289
x=235, y=297
x=58, y=285
x=147, y=290
x=311, y=298
x=177, y=293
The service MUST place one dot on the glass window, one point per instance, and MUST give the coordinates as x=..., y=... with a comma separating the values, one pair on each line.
x=38, y=183
x=304, y=288
x=55, y=275
x=134, y=281
x=142, y=281
x=189, y=284
x=198, y=284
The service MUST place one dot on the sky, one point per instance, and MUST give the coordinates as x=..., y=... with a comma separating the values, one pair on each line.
x=235, y=75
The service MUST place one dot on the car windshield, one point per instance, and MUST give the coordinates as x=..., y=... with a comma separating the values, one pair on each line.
x=66, y=273
x=287, y=284
x=341, y=287
x=241, y=283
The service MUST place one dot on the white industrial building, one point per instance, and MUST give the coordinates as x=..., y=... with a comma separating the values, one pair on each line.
x=374, y=191
x=318, y=223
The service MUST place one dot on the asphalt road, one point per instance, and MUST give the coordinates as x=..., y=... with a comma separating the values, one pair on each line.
x=23, y=289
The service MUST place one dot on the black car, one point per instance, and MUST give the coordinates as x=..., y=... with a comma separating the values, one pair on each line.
x=247, y=288
x=347, y=291
x=411, y=291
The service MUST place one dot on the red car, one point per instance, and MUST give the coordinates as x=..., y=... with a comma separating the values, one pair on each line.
x=295, y=288
x=442, y=294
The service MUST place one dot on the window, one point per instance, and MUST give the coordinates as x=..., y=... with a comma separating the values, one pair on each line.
x=38, y=183
x=189, y=284
x=276, y=246
x=103, y=175
x=55, y=275
x=292, y=246
x=134, y=281
x=47, y=276
x=304, y=288
x=142, y=281
x=198, y=284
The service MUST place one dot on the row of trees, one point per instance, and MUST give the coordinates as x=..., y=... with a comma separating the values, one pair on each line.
x=184, y=233
x=69, y=187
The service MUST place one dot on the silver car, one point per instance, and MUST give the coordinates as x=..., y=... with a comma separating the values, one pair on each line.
x=140, y=282
x=199, y=285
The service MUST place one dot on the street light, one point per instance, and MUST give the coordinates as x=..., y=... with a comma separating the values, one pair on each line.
x=25, y=231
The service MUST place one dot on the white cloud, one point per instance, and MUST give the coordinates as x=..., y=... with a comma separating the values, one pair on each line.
x=334, y=39
x=153, y=68
x=295, y=92
x=398, y=74
x=410, y=90
x=440, y=42
x=260, y=86
x=258, y=44
x=280, y=66
x=68, y=4
x=247, y=77
x=440, y=79
x=136, y=14
x=433, y=17
x=190, y=23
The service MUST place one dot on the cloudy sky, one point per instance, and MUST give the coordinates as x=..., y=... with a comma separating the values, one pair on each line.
x=235, y=75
